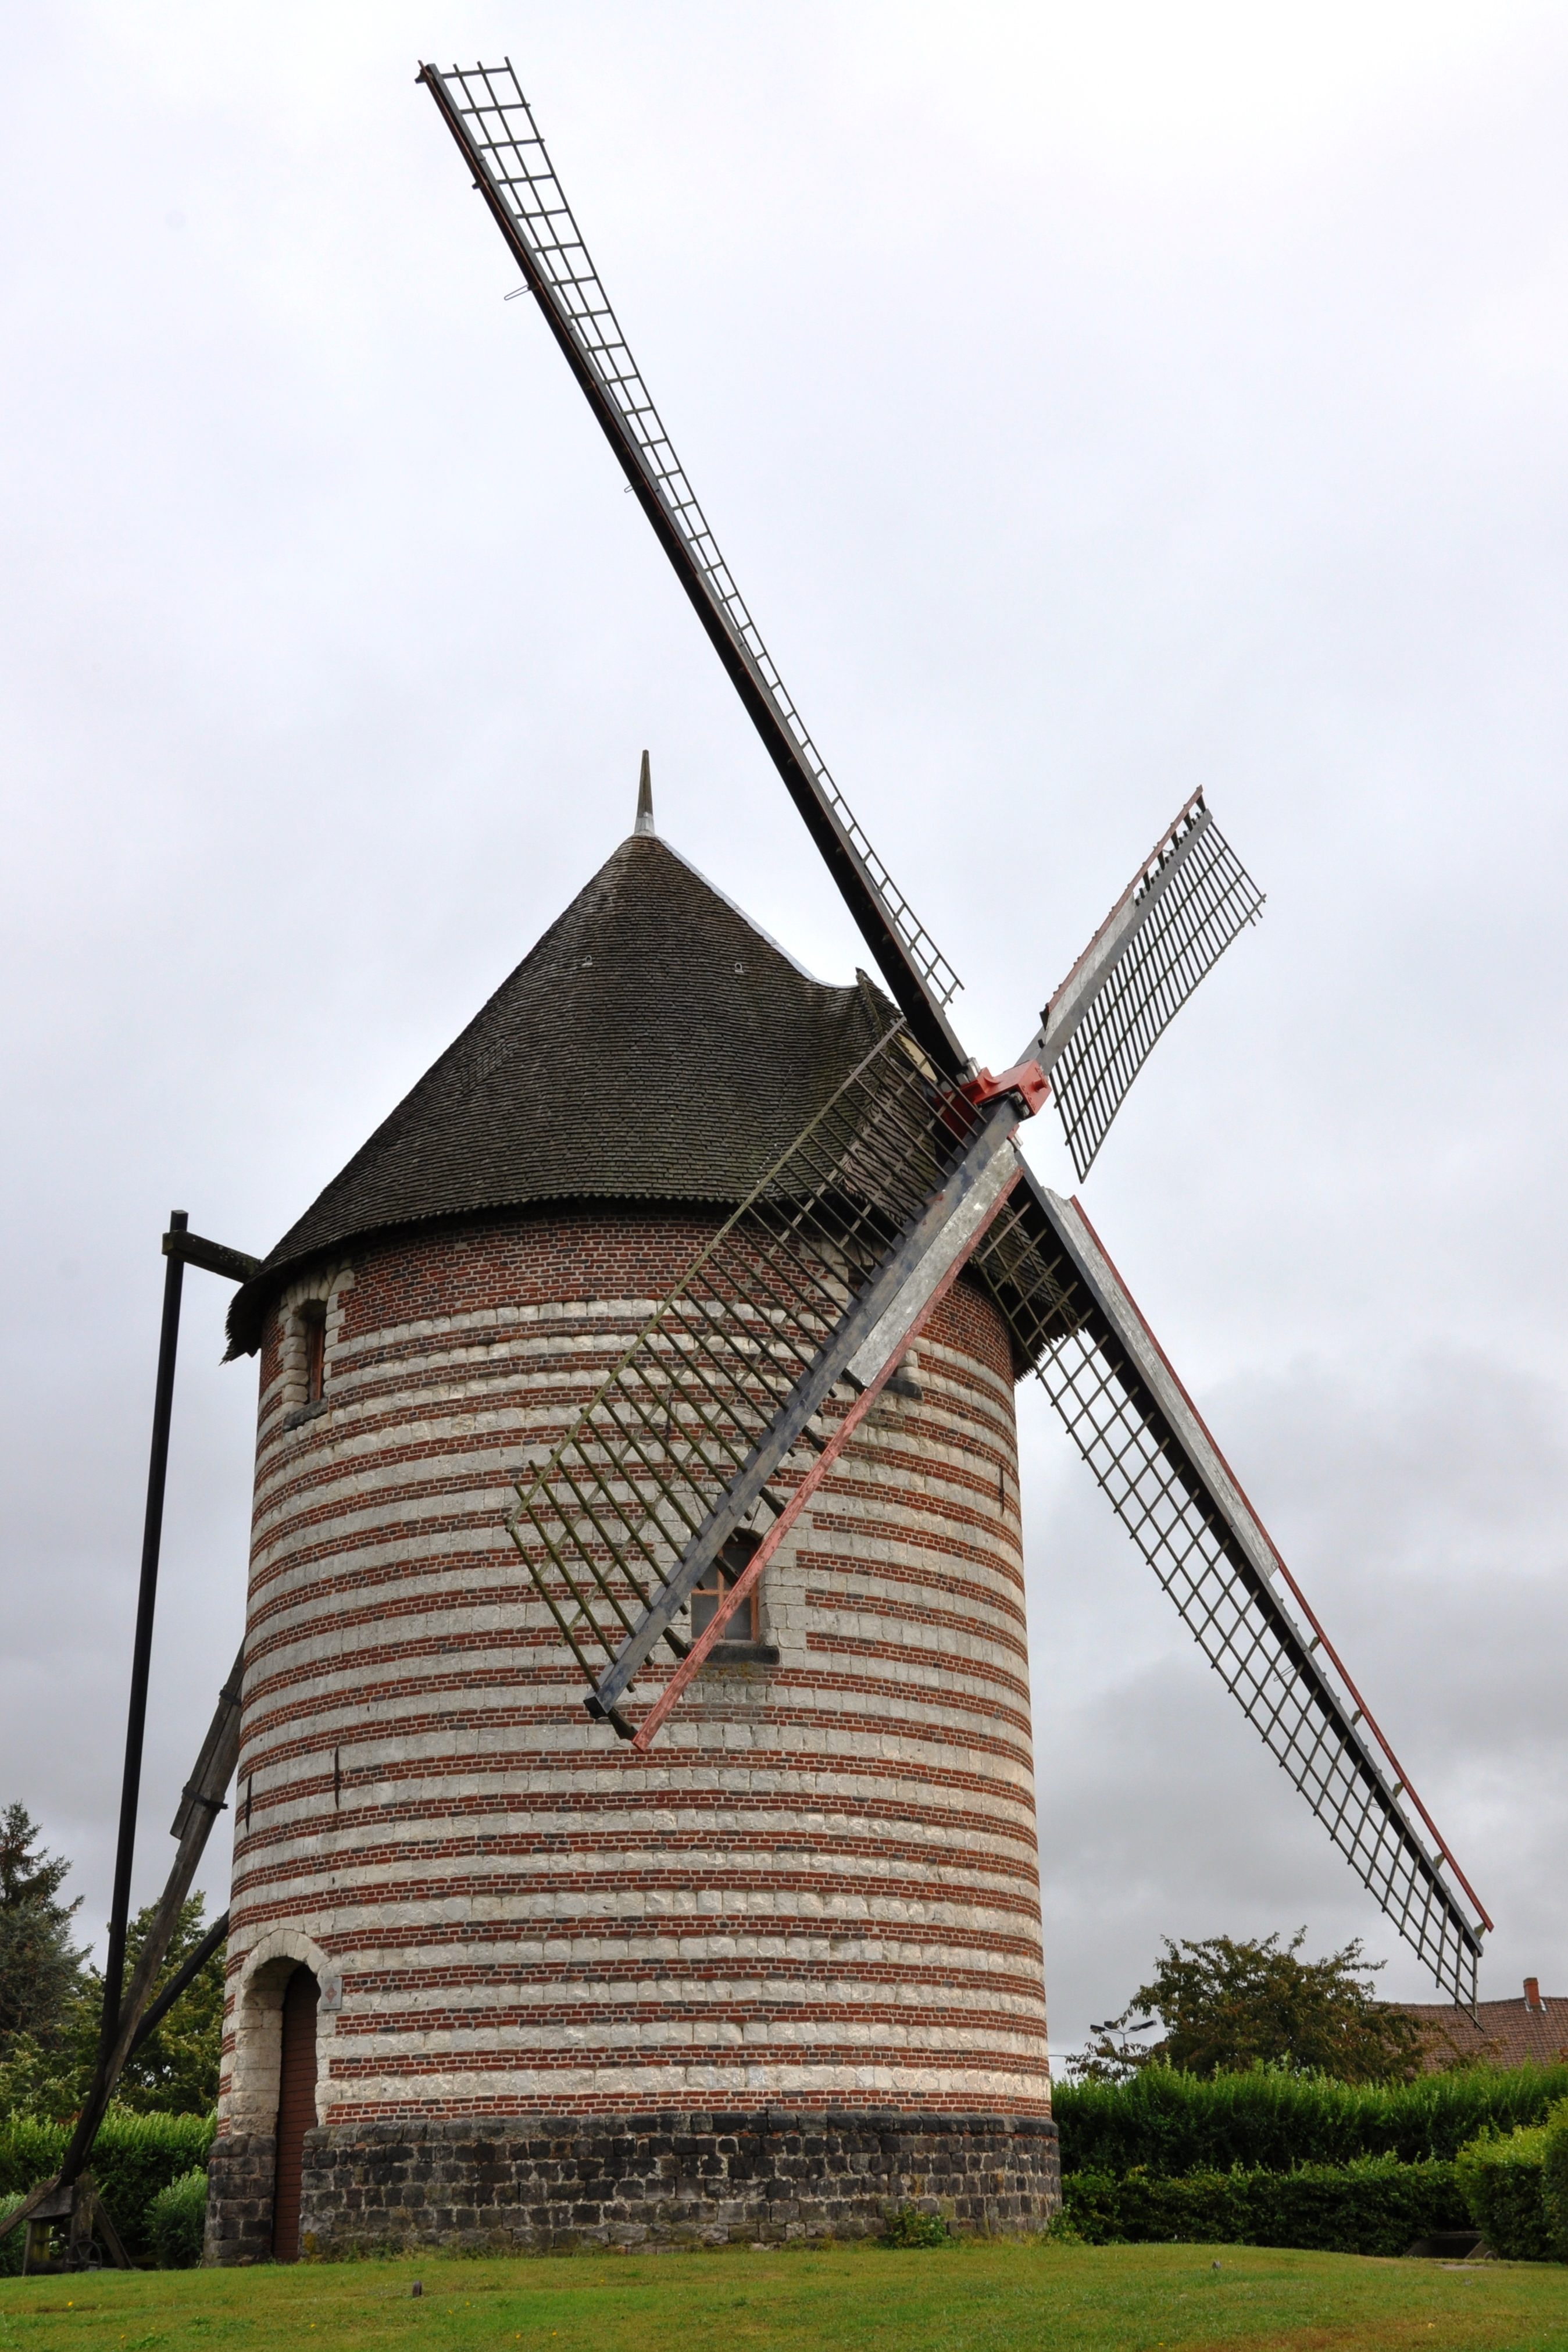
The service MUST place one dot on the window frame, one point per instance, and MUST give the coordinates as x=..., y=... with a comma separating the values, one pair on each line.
x=715, y=1580
x=313, y=1327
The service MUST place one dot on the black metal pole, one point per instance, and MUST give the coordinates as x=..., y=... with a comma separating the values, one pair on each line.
x=142, y=1651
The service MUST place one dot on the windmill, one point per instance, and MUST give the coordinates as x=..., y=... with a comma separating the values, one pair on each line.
x=426, y=1827
x=653, y=1519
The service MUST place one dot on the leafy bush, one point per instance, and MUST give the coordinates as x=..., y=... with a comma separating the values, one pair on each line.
x=1062, y=2229
x=177, y=2220
x=1554, y=2181
x=909, y=2228
x=1502, y=2181
x=1165, y=2122
x=1377, y=2206
x=133, y=2157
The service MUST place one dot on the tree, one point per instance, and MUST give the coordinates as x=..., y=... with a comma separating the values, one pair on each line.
x=51, y=2005
x=175, y=2071
x=176, y=2068
x=1227, y=2006
x=40, y=1967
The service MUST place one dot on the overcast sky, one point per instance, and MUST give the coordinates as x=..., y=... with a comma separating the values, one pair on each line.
x=1093, y=402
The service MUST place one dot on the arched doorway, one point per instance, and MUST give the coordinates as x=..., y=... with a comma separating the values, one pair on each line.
x=296, y=2109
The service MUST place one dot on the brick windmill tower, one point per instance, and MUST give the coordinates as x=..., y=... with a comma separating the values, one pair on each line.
x=479, y=1939
x=635, y=1819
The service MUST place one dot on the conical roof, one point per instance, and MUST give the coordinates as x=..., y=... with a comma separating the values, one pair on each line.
x=653, y=1045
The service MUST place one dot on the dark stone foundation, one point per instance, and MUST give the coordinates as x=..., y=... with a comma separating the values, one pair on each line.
x=239, y=2199
x=533, y=2184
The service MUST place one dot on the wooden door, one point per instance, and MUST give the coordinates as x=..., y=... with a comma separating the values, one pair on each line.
x=296, y=2109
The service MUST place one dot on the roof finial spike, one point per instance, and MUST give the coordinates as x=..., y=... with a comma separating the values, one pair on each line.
x=645, y=800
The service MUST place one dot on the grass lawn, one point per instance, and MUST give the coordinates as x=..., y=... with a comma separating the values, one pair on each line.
x=998, y=2297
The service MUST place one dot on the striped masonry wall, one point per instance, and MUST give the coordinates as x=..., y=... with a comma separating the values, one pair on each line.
x=818, y=1891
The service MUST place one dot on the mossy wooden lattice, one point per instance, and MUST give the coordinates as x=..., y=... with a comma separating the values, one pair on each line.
x=711, y=1417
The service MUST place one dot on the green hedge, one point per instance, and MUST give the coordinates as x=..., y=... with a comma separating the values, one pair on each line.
x=1502, y=2181
x=1377, y=2206
x=1163, y=2122
x=133, y=2157
x=1554, y=2182
x=177, y=2218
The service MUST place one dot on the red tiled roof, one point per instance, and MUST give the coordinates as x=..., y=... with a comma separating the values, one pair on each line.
x=1510, y=2033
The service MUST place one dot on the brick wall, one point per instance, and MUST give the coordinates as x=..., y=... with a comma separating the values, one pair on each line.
x=819, y=1893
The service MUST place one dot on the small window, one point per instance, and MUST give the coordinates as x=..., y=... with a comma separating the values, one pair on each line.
x=314, y=1318
x=742, y=1624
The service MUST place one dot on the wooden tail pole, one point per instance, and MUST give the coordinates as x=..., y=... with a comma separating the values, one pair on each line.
x=141, y=1649
x=199, y=1808
x=152, y=2017
x=128, y=2013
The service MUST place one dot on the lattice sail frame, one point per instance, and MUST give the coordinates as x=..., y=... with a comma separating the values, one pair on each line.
x=604, y=1523
x=506, y=144
x=1188, y=901
x=1136, y=1429
x=610, y=1513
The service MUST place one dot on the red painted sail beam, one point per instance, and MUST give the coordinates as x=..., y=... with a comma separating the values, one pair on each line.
x=1363, y=1711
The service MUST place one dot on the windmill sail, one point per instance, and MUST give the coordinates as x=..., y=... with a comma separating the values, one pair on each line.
x=1173, y=921
x=704, y=1432
x=489, y=118
x=1136, y=1426
x=745, y=1384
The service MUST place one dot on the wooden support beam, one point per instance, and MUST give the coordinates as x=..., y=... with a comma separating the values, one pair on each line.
x=220, y=1752
x=213, y=1257
x=100, y=2225
x=78, y=2203
x=870, y=1335
x=927, y=1297
x=152, y=2017
x=32, y=2204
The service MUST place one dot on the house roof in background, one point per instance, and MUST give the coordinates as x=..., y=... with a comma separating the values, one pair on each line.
x=1509, y=2033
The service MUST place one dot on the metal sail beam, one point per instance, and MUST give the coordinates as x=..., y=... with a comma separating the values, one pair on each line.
x=1166, y=1479
x=1188, y=899
x=707, y=1428
x=864, y=1345
x=485, y=111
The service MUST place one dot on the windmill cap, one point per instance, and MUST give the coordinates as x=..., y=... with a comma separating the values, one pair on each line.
x=655, y=1045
